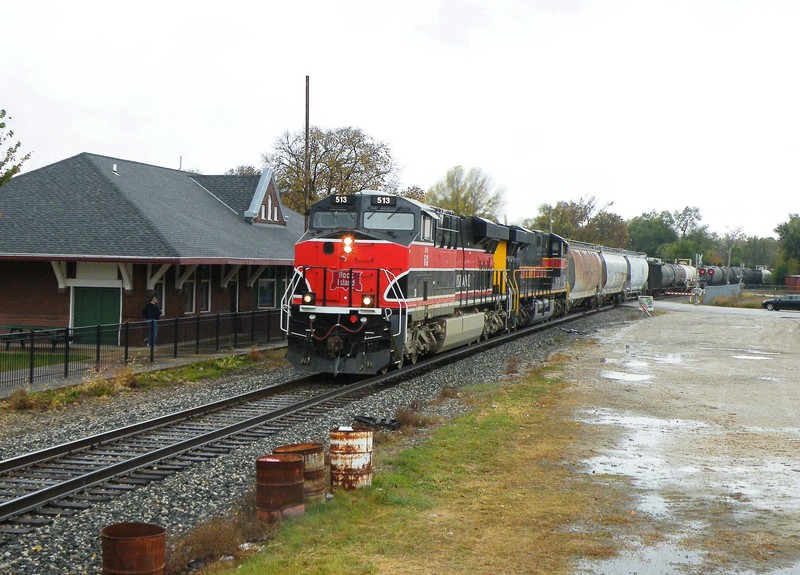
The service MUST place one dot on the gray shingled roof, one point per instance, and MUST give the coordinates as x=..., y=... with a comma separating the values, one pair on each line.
x=80, y=208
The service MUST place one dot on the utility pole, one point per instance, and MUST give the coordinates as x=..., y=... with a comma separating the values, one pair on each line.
x=307, y=164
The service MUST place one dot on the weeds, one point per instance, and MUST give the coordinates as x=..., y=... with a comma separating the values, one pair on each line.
x=108, y=381
x=221, y=537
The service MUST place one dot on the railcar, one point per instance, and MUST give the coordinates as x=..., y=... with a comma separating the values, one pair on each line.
x=382, y=279
x=598, y=274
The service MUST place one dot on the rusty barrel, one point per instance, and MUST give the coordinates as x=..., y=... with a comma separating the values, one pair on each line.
x=315, y=471
x=133, y=549
x=351, y=457
x=279, y=486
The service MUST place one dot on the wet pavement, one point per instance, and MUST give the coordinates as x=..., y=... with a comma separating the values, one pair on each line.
x=698, y=410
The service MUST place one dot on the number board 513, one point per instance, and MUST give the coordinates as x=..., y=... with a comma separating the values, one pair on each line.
x=384, y=200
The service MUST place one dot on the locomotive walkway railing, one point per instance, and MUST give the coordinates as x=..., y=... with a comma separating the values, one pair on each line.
x=41, y=355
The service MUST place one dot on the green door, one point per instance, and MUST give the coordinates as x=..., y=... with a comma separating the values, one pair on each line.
x=97, y=306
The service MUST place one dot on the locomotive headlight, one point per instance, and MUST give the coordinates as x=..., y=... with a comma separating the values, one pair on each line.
x=309, y=298
x=367, y=300
x=348, y=245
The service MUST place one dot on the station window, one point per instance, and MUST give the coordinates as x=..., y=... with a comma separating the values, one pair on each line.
x=188, y=296
x=266, y=293
x=204, y=274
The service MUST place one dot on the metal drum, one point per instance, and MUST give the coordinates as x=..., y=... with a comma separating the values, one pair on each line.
x=279, y=486
x=133, y=549
x=351, y=457
x=315, y=471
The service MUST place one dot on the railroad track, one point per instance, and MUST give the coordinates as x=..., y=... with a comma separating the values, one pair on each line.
x=69, y=478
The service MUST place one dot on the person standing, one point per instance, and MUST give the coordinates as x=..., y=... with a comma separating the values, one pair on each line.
x=151, y=313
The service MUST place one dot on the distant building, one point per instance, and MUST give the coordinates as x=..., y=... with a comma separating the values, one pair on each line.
x=87, y=240
x=792, y=283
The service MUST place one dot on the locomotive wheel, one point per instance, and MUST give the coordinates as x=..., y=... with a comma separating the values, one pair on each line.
x=414, y=357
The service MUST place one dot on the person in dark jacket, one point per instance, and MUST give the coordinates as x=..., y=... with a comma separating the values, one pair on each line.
x=151, y=313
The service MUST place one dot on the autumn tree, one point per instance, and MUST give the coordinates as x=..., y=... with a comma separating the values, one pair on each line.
x=413, y=192
x=9, y=164
x=243, y=171
x=467, y=193
x=608, y=229
x=341, y=161
x=583, y=220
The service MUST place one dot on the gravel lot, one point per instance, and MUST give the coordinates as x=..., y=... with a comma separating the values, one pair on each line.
x=699, y=408
x=695, y=408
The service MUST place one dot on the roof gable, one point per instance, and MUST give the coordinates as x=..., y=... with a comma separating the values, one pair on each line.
x=265, y=207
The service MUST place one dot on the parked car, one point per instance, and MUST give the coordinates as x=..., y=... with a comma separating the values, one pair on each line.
x=782, y=302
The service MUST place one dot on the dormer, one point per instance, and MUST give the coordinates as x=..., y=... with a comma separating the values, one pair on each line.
x=265, y=208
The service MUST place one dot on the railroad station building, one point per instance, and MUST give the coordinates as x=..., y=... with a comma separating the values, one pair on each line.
x=89, y=239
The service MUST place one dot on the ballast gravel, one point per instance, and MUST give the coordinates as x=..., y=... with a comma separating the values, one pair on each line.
x=181, y=501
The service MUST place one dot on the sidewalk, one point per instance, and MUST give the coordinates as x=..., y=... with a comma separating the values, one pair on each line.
x=159, y=363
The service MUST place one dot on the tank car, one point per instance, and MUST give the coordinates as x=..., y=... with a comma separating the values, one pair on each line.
x=382, y=279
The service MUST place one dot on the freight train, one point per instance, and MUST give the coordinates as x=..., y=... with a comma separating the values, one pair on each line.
x=381, y=280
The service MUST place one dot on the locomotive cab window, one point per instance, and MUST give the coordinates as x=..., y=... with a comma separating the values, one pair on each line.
x=382, y=220
x=334, y=219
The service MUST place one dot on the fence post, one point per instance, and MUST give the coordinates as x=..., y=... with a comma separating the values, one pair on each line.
x=216, y=333
x=97, y=347
x=235, y=329
x=66, y=352
x=31, y=359
x=175, y=340
x=126, y=340
x=197, y=335
x=252, y=327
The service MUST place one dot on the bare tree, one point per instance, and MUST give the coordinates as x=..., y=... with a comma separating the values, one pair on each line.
x=729, y=241
x=686, y=220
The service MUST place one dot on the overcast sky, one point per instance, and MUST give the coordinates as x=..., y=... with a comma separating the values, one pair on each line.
x=644, y=105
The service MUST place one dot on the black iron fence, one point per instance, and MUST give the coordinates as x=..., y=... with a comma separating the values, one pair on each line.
x=39, y=355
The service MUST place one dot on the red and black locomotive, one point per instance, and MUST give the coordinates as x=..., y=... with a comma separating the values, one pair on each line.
x=381, y=279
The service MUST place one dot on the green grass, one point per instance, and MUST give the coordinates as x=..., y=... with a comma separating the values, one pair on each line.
x=14, y=360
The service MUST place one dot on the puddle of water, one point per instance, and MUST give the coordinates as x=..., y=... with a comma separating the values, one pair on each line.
x=661, y=559
x=753, y=357
x=664, y=559
x=622, y=376
x=644, y=454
